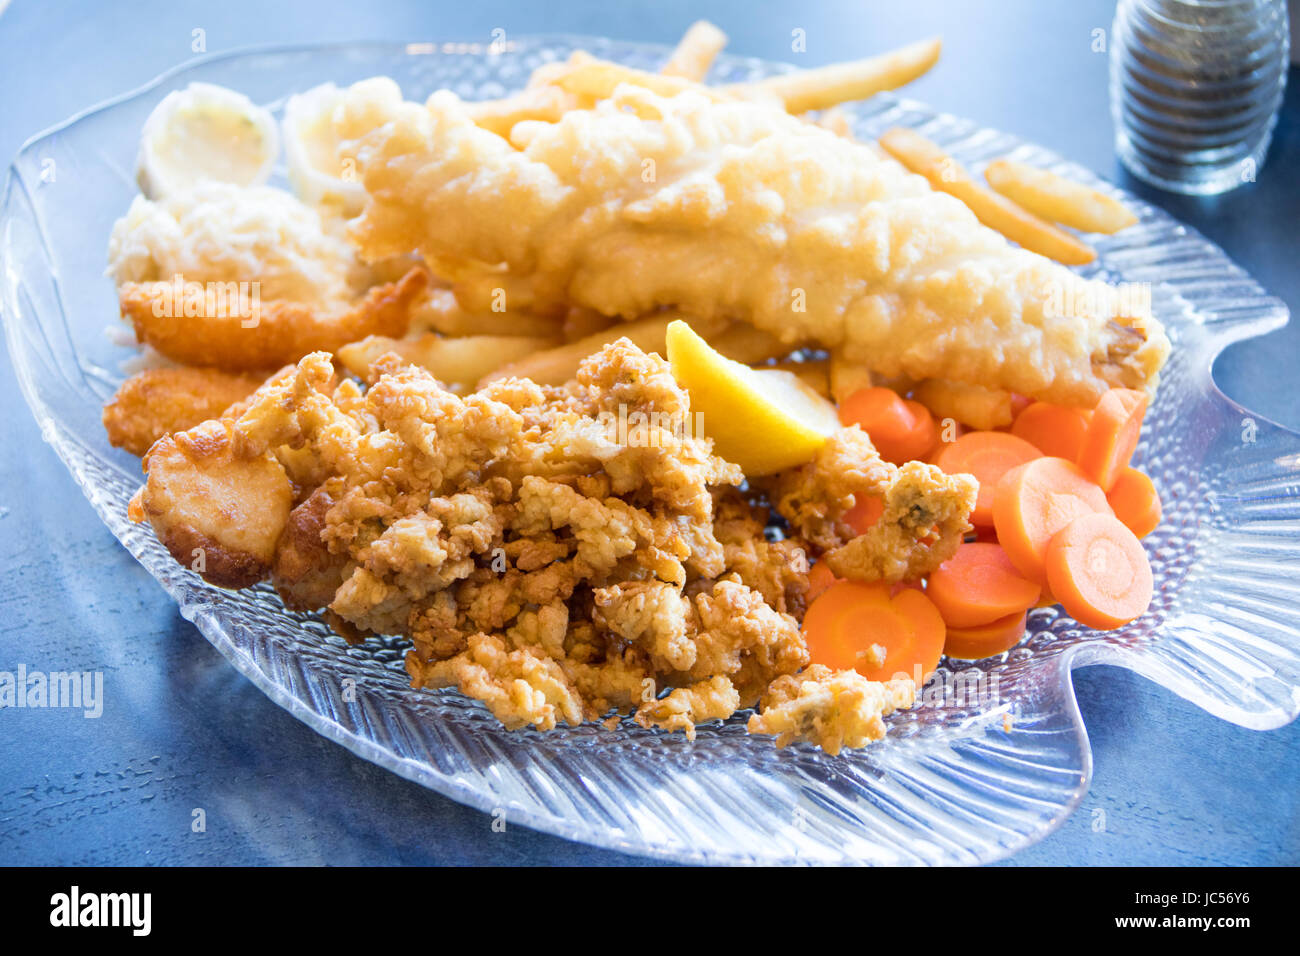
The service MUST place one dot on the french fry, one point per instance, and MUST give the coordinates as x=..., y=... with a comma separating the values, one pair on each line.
x=827, y=86
x=557, y=365
x=945, y=174
x=1056, y=198
x=592, y=79
x=742, y=342
x=441, y=313
x=498, y=292
x=835, y=120
x=973, y=405
x=547, y=103
x=695, y=52
x=459, y=363
x=579, y=323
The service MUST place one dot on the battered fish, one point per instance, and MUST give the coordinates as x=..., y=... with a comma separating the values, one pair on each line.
x=735, y=209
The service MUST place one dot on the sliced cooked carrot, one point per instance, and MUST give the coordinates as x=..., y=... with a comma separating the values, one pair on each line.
x=1018, y=404
x=1112, y=435
x=978, y=585
x=843, y=626
x=865, y=513
x=988, y=456
x=985, y=640
x=820, y=577
x=918, y=660
x=1099, y=572
x=1135, y=501
x=1034, y=501
x=901, y=430
x=926, y=434
x=1053, y=429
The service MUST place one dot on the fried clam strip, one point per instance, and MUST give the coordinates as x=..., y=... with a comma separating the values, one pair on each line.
x=272, y=333
x=159, y=401
x=926, y=512
x=832, y=709
x=538, y=560
x=885, y=270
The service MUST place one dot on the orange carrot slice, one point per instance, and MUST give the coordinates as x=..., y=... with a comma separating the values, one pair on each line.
x=846, y=623
x=978, y=585
x=988, y=456
x=985, y=640
x=865, y=513
x=820, y=577
x=1135, y=501
x=1034, y=501
x=901, y=430
x=1098, y=571
x=1053, y=429
x=1112, y=435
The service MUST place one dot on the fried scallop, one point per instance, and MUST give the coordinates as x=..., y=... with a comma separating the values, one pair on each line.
x=216, y=514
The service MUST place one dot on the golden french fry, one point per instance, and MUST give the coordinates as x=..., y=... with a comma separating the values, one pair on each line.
x=848, y=377
x=546, y=103
x=696, y=51
x=441, y=313
x=974, y=405
x=579, y=323
x=459, y=363
x=835, y=120
x=498, y=292
x=815, y=373
x=826, y=86
x=945, y=174
x=742, y=342
x=557, y=365
x=1056, y=198
x=593, y=79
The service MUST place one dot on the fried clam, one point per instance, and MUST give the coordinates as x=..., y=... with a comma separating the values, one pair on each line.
x=536, y=562
x=926, y=512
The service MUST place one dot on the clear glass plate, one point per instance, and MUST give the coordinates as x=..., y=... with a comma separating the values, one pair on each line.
x=993, y=763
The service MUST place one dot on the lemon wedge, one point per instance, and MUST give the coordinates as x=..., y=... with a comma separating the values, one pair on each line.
x=318, y=172
x=205, y=133
x=764, y=420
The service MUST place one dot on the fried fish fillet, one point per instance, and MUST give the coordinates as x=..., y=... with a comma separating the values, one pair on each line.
x=735, y=209
x=159, y=401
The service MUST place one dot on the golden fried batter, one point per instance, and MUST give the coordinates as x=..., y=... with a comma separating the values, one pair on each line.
x=926, y=511
x=535, y=561
x=750, y=213
x=280, y=331
x=830, y=709
x=159, y=401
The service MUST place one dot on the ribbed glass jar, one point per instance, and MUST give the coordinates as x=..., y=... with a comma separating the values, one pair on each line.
x=1195, y=87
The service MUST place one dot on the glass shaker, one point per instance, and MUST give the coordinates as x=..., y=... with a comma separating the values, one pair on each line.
x=1195, y=87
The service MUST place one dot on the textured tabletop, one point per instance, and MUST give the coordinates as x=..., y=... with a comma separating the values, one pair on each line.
x=182, y=731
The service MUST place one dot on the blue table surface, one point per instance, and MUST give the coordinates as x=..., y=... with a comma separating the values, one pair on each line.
x=182, y=730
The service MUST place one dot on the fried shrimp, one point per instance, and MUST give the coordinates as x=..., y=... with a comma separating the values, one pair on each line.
x=272, y=333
